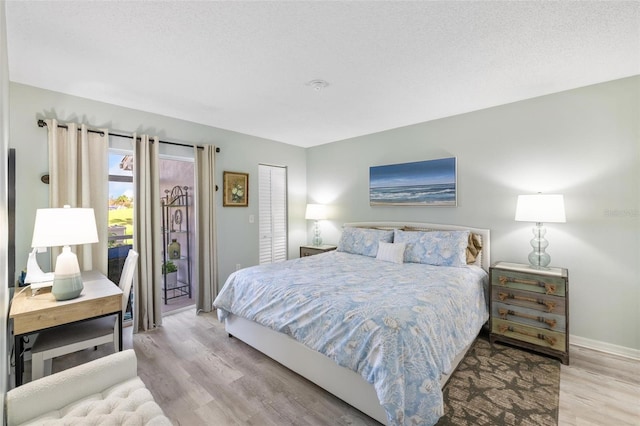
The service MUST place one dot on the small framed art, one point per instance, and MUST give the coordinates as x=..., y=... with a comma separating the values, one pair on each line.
x=236, y=189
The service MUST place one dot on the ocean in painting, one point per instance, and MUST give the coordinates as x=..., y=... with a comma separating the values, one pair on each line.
x=441, y=194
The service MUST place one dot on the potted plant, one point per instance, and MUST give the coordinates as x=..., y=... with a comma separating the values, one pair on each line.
x=170, y=271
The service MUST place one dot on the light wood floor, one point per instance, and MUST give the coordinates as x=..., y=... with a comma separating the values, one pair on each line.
x=199, y=376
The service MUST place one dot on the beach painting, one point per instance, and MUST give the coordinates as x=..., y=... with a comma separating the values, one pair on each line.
x=422, y=183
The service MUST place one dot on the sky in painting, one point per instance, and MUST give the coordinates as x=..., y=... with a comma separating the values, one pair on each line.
x=418, y=173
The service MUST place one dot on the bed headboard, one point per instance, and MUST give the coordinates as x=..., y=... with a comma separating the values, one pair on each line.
x=484, y=258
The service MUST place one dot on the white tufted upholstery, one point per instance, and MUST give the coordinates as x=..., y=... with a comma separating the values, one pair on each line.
x=106, y=391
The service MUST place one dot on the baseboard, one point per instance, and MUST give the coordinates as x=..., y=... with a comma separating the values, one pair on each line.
x=609, y=348
x=178, y=310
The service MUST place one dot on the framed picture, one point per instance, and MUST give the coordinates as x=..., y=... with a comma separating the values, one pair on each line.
x=423, y=183
x=236, y=189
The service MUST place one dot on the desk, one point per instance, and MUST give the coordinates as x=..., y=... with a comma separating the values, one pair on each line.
x=31, y=314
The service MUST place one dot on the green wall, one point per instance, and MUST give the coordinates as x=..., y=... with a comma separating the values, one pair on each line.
x=237, y=238
x=583, y=143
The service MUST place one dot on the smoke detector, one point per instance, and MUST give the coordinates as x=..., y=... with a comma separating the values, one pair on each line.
x=317, y=84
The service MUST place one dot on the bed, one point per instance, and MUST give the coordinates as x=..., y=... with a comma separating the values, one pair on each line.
x=381, y=322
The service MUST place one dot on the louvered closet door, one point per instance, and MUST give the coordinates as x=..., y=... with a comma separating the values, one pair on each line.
x=273, y=213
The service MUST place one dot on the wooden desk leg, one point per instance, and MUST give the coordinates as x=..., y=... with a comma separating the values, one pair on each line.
x=18, y=359
x=120, y=319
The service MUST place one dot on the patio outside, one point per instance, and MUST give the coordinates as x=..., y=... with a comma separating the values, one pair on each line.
x=121, y=204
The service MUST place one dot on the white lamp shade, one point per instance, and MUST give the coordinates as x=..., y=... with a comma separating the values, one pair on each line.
x=316, y=212
x=64, y=227
x=540, y=208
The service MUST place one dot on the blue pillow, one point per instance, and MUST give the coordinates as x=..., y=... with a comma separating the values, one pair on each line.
x=439, y=248
x=363, y=241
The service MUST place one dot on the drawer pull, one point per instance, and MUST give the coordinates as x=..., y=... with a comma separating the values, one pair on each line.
x=549, y=339
x=548, y=288
x=550, y=304
x=551, y=322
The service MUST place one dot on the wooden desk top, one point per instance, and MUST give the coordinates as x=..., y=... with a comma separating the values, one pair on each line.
x=100, y=296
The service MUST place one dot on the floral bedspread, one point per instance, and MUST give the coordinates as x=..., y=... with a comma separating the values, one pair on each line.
x=398, y=325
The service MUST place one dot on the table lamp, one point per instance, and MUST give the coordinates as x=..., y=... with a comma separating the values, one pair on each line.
x=65, y=227
x=540, y=208
x=316, y=212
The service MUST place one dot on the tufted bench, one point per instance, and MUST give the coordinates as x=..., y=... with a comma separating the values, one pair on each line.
x=105, y=391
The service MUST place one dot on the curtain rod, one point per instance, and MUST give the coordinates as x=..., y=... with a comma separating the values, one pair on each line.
x=42, y=123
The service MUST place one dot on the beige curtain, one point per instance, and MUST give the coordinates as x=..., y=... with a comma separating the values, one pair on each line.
x=206, y=265
x=79, y=177
x=147, y=240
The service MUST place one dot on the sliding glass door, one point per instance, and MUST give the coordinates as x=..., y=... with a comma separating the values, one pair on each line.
x=121, y=200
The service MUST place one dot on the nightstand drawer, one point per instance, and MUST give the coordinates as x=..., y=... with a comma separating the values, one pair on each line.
x=311, y=250
x=526, y=316
x=525, y=333
x=526, y=299
x=529, y=282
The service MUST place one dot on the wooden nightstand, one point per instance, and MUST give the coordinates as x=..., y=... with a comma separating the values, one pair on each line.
x=311, y=250
x=530, y=308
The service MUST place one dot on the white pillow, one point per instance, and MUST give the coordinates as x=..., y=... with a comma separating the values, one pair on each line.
x=390, y=252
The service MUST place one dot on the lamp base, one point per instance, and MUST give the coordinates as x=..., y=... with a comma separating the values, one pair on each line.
x=538, y=258
x=317, y=240
x=67, y=281
x=67, y=287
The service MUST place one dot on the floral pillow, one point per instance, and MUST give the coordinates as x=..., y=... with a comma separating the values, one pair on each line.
x=440, y=248
x=363, y=241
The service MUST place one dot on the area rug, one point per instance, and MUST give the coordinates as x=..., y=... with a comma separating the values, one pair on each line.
x=502, y=385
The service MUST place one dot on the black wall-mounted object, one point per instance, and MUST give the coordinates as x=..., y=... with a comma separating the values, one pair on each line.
x=11, y=207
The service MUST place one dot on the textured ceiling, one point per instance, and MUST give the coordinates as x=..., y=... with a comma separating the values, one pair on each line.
x=244, y=66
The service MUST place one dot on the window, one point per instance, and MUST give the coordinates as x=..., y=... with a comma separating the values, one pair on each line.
x=120, y=199
x=120, y=214
x=272, y=211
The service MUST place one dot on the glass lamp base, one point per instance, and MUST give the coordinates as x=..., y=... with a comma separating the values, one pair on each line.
x=317, y=240
x=538, y=258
